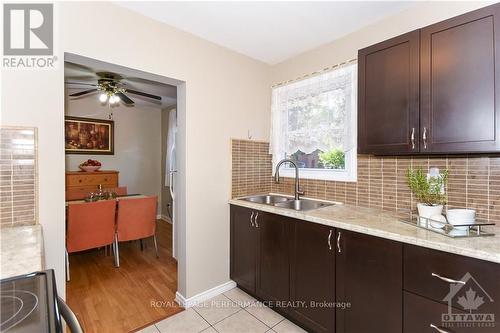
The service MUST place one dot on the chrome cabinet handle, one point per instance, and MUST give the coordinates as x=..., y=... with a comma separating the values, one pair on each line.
x=330, y=240
x=255, y=220
x=424, y=137
x=338, y=243
x=440, y=330
x=445, y=279
x=251, y=219
x=413, y=138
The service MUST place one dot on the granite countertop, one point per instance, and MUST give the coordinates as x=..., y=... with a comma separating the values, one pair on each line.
x=21, y=250
x=383, y=224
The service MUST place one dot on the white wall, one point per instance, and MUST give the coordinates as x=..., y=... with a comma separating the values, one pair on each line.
x=346, y=48
x=137, y=150
x=226, y=94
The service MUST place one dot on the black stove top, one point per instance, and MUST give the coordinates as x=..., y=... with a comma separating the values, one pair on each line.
x=28, y=304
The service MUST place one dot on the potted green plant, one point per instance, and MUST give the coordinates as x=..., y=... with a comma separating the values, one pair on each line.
x=430, y=190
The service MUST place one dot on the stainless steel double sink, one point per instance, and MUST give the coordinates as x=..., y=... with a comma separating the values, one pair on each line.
x=286, y=202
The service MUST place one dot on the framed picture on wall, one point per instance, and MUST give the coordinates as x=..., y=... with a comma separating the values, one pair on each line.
x=88, y=136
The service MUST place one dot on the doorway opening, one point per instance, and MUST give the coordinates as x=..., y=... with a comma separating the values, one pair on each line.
x=122, y=122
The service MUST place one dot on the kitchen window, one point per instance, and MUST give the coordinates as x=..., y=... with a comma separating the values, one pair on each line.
x=314, y=124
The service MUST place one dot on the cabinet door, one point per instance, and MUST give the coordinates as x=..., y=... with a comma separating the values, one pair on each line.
x=312, y=278
x=388, y=96
x=273, y=269
x=420, y=313
x=369, y=277
x=243, y=248
x=460, y=83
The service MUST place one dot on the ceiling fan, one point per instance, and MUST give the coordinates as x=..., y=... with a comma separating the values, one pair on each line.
x=112, y=89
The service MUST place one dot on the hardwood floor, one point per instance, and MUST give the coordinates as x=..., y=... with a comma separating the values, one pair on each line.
x=140, y=292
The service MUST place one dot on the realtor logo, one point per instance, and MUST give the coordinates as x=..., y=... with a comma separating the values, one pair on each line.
x=28, y=29
x=469, y=296
x=28, y=36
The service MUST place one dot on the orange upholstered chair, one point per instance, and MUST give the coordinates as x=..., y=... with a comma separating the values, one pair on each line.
x=76, y=194
x=122, y=190
x=90, y=225
x=136, y=219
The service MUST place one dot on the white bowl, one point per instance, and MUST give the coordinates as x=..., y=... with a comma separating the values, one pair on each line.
x=89, y=168
x=461, y=216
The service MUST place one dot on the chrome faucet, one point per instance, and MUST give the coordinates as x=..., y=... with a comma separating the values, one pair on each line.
x=298, y=192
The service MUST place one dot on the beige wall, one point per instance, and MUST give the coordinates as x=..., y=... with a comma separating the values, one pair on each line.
x=346, y=48
x=226, y=94
x=137, y=143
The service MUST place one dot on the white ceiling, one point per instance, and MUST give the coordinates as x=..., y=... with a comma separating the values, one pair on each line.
x=269, y=31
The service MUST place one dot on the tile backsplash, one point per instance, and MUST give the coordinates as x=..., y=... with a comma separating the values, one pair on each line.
x=251, y=167
x=474, y=180
x=18, y=176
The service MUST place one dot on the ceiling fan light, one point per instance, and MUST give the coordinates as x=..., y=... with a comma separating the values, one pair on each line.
x=114, y=99
x=103, y=98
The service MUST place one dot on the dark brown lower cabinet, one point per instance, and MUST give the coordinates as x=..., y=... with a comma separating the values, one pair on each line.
x=369, y=276
x=243, y=240
x=273, y=266
x=422, y=315
x=312, y=278
x=331, y=280
x=462, y=282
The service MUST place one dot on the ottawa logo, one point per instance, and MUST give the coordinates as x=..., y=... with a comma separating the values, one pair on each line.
x=468, y=305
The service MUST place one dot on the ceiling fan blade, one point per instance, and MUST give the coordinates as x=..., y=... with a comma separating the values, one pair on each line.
x=83, y=93
x=81, y=83
x=135, y=92
x=124, y=98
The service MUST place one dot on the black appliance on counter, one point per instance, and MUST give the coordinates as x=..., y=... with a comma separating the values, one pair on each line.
x=29, y=303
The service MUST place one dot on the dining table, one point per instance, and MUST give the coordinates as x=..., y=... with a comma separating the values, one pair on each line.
x=120, y=197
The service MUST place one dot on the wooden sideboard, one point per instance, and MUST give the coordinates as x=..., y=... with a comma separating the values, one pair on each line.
x=90, y=181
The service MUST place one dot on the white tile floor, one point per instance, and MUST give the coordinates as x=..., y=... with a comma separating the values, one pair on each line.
x=233, y=312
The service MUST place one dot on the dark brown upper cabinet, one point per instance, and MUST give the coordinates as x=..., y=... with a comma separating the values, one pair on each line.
x=388, y=100
x=455, y=107
x=459, y=91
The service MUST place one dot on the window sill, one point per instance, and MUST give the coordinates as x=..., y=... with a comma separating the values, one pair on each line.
x=330, y=175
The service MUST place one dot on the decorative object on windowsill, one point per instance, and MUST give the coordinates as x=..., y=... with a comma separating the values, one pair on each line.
x=88, y=136
x=90, y=165
x=429, y=189
x=333, y=159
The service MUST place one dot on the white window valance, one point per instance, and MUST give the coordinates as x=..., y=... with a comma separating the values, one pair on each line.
x=315, y=113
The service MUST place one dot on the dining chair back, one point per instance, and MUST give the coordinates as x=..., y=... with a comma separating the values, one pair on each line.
x=120, y=191
x=90, y=225
x=136, y=219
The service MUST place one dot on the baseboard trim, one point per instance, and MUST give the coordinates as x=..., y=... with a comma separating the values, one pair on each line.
x=203, y=296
